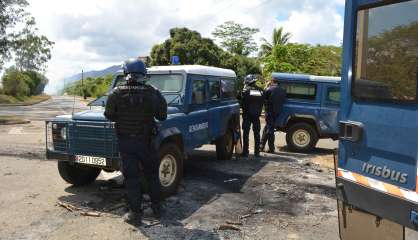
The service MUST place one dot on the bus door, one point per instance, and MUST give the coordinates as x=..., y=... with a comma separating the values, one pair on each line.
x=378, y=151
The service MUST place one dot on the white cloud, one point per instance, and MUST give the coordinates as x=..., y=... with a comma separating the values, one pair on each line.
x=97, y=33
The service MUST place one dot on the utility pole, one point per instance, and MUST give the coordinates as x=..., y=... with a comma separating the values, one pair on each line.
x=82, y=83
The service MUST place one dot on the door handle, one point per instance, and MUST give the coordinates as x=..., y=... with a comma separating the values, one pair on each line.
x=350, y=131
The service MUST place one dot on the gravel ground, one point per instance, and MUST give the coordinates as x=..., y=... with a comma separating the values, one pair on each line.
x=280, y=196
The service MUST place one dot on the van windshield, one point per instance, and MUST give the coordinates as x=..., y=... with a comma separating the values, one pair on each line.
x=164, y=82
x=170, y=86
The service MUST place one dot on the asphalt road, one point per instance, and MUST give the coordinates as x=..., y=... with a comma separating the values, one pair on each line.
x=57, y=105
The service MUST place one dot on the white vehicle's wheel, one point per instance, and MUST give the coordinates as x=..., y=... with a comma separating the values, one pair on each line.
x=170, y=170
x=301, y=137
x=225, y=146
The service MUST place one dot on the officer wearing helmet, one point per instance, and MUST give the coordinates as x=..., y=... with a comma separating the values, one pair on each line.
x=252, y=99
x=133, y=107
x=275, y=97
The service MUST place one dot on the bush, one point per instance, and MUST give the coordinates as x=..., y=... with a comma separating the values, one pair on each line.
x=15, y=83
x=37, y=82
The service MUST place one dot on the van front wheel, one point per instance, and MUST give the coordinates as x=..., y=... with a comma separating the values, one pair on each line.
x=77, y=174
x=301, y=137
x=225, y=146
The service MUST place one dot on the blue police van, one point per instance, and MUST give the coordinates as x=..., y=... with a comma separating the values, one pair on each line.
x=376, y=171
x=202, y=109
x=310, y=111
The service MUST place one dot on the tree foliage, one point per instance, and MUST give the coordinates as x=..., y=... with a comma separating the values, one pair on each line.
x=11, y=13
x=189, y=46
x=279, y=37
x=23, y=83
x=31, y=50
x=236, y=38
x=304, y=58
x=92, y=87
x=193, y=49
x=15, y=83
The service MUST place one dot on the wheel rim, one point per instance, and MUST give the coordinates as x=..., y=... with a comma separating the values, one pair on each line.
x=301, y=138
x=168, y=170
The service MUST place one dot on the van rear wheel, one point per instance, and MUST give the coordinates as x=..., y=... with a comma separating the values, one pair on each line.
x=77, y=174
x=301, y=137
x=225, y=146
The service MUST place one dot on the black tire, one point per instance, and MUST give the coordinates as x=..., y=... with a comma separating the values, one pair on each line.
x=308, y=137
x=171, y=153
x=225, y=146
x=77, y=174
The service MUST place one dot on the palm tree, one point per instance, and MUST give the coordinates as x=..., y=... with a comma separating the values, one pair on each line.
x=279, y=38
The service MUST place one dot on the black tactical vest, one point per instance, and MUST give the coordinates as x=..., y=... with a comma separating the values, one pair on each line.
x=136, y=107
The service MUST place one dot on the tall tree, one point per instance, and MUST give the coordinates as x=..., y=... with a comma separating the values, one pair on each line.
x=32, y=51
x=236, y=38
x=11, y=13
x=279, y=37
x=304, y=58
x=189, y=46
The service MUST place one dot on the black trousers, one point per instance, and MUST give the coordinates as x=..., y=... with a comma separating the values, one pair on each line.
x=135, y=150
x=247, y=121
x=268, y=132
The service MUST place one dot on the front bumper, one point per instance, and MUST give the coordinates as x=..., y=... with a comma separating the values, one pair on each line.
x=378, y=203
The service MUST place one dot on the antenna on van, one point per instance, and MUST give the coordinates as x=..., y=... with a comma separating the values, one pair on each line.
x=82, y=76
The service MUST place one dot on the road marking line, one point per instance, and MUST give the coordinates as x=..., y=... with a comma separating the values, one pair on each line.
x=16, y=131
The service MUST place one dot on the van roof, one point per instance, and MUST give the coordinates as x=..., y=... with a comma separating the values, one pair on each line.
x=304, y=77
x=193, y=69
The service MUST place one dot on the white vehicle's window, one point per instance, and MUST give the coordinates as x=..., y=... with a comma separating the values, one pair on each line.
x=228, y=88
x=385, y=67
x=214, y=90
x=163, y=82
x=300, y=90
x=198, y=92
x=333, y=94
x=166, y=83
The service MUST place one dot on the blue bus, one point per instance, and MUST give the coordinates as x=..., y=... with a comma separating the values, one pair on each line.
x=376, y=171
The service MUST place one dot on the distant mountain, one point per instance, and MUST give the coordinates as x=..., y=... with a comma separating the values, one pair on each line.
x=93, y=74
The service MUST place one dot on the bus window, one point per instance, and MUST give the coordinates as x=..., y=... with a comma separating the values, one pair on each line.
x=385, y=67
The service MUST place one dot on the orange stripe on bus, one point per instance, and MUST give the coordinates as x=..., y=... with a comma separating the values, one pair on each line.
x=416, y=186
x=393, y=190
x=361, y=179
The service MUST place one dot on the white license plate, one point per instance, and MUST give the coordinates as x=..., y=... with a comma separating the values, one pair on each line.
x=99, y=161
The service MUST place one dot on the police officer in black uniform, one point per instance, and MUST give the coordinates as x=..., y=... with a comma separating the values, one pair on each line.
x=133, y=107
x=252, y=100
x=275, y=97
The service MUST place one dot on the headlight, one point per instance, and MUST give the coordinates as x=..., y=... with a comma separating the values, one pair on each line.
x=49, y=137
x=63, y=133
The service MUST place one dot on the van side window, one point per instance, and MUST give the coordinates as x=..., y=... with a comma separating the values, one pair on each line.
x=198, y=92
x=214, y=90
x=333, y=94
x=304, y=91
x=386, y=60
x=228, y=88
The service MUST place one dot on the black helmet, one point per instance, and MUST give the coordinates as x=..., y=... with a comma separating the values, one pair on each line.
x=250, y=79
x=135, y=70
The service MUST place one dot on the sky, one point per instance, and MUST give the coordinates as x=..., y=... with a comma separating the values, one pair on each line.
x=95, y=34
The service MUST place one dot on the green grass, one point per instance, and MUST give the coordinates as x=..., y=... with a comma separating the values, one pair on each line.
x=5, y=99
x=10, y=100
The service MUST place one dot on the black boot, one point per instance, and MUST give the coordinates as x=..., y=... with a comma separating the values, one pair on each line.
x=133, y=217
x=156, y=210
